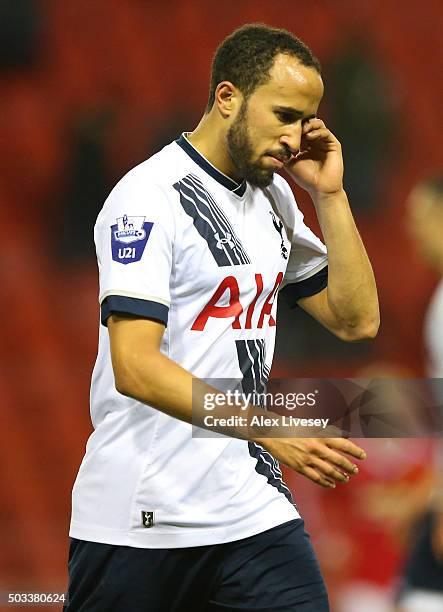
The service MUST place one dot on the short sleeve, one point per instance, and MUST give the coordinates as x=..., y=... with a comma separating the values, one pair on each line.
x=134, y=237
x=307, y=269
x=305, y=288
x=308, y=253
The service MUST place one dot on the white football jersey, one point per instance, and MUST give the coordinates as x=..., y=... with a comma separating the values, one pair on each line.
x=180, y=242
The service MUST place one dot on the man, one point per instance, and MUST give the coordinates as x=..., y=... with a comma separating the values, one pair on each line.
x=421, y=586
x=162, y=521
x=425, y=223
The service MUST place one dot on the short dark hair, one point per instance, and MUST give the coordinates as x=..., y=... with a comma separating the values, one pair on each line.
x=246, y=56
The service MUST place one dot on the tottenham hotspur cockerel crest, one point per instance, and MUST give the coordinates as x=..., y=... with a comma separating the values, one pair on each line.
x=278, y=224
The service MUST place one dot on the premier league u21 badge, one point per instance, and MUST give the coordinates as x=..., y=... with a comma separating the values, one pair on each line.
x=129, y=237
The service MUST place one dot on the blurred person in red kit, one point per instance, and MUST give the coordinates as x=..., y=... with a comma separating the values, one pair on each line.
x=398, y=501
x=421, y=588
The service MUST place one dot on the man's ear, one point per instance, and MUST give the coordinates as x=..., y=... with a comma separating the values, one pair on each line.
x=227, y=99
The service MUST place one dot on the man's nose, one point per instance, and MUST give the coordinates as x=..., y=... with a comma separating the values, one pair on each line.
x=292, y=137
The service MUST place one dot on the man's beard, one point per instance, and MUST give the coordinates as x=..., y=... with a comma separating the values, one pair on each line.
x=241, y=152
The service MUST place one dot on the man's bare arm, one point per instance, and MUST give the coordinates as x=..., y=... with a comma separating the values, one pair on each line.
x=349, y=305
x=142, y=372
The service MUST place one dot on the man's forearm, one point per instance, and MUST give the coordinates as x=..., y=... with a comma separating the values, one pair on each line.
x=156, y=380
x=143, y=373
x=352, y=292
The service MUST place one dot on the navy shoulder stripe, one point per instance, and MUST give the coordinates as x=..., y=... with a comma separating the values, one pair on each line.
x=211, y=222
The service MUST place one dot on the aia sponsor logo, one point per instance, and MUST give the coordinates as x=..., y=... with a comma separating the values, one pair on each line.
x=243, y=315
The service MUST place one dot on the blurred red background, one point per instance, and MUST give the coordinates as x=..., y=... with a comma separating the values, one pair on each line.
x=89, y=89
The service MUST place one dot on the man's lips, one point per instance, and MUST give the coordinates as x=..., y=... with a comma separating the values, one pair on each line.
x=280, y=161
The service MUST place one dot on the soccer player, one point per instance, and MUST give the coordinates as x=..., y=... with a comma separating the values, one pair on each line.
x=193, y=245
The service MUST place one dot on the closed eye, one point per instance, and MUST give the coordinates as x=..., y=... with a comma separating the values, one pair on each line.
x=287, y=117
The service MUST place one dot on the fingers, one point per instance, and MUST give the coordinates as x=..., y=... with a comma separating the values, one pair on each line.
x=318, y=478
x=317, y=458
x=332, y=464
x=313, y=124
x=325, y=466
x=347, y=447
x=320, y=134
x=330, y=471
x=337, y=460
x=315, y=129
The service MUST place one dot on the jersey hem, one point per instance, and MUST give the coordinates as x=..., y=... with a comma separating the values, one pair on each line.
x=306, y=275
x=133, y=306
x=306, y=288
x=153, y=538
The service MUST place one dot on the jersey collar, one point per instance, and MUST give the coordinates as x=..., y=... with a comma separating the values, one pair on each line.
x=237, y=188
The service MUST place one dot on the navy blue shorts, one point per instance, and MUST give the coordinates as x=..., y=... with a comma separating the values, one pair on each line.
x=273, y=571
x=423, y=571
